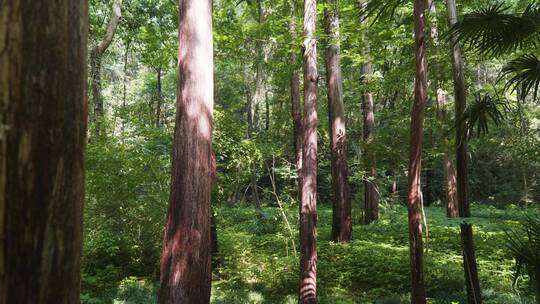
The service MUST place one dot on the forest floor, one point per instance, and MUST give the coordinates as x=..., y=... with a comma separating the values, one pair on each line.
x=257, y=263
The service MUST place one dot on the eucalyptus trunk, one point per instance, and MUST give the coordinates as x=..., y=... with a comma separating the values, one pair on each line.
x=341, y=204
x=185, y=261
x=43, y=113
x=308, y=206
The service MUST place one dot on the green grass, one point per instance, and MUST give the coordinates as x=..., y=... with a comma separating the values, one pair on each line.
x=258, y=264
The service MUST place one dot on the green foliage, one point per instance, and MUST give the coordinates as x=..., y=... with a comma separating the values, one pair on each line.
x=525, y=246
x=492, y=30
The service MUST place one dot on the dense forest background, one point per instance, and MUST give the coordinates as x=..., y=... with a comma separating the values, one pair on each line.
x=133, y=55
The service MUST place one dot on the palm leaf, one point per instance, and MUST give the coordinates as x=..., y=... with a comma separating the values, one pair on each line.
x=494, y=30
x=478, y=115
x=379, y=9
x=524, y=73
x=526, y=250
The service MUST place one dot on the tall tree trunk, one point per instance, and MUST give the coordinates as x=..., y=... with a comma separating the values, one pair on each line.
x=296, y=107
x=308, y=205
x=185, y=261
x=371, y=205
x=43, y=112
x=448, y=164
x=341, y=204
x=96, y=55
x=473, y=285
x=159, y=99
x=418, y=291
x=460, y=104
x=469, y=265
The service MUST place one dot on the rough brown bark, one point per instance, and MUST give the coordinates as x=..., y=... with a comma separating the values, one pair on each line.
x=341, y=204
x=469, y=265
x=371, y=205
x=96, y=55
x=43, y=110
x=448, y=164
x=460, y=104
x=418, y=291
x=296, y=107
x=308, y=206
x=185, y=261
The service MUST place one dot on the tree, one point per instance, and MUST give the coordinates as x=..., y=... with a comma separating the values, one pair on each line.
x=469, y=259
x=371, y=205
x=308, y=205
x=341, y=203
x=96, y=55
x=452, y=209
x=418, y=290
x=296, y=106
x=185, y=261
x=43, y=110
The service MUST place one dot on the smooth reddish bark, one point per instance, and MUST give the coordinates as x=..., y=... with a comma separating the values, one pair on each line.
x=43, y=111
x=341, y=204
x=185, y=261
x=418, y=291
x=308, y=206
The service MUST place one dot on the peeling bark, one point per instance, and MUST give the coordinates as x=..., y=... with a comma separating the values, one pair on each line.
x=43, y=110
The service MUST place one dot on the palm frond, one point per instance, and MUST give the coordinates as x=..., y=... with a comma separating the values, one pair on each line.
x=524, y=73
x=524, y=244
x=478, y=115
x=378, y=9
x=494, y=30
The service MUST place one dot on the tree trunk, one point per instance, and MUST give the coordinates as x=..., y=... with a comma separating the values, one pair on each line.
x=471, y=276
x=341, y=213
x=296, y=107
x=159, y=100
x=43, y=112
x=448, y=164
x=371, y=205
x=418, y=292
x=469, y=265
x=308, y=205
x=185, y=261
x=460, y=104
x=96, y=55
